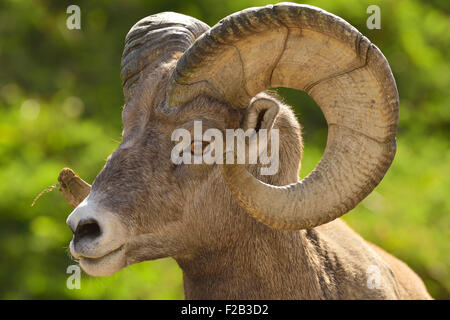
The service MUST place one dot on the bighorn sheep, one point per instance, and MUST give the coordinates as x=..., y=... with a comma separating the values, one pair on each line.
x=236, y=233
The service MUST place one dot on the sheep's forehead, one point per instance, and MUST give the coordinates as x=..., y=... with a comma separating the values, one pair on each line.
x=148, y=105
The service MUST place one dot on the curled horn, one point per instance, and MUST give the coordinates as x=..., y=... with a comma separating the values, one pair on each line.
x=150, y=42
x=154, y=40
x=305, y=48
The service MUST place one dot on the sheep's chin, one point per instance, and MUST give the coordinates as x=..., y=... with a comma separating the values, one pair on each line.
x=106, y=265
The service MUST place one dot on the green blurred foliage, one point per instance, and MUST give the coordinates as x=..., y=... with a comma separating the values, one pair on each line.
x=60, y=103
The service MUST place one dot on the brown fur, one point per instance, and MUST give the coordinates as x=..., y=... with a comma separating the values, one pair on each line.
x=186, y=212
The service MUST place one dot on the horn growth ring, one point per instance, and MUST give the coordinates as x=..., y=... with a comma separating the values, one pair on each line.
x=305, y=48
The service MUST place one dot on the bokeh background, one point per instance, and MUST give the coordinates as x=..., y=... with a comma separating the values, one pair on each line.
x=60, y=105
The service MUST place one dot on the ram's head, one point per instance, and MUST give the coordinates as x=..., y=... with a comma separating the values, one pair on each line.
x=176, y=70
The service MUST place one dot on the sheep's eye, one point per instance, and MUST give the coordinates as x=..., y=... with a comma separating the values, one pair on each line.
x=198, y=147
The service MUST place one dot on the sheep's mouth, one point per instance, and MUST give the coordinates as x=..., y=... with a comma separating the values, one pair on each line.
x=104, y=265
x=100, y=259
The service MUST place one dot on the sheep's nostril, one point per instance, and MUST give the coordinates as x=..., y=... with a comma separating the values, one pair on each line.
x=88, y=228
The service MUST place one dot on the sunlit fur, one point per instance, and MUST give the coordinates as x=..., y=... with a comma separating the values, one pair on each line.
x=186, y=212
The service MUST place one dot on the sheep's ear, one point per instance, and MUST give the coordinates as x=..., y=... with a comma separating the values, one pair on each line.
x=261, y=114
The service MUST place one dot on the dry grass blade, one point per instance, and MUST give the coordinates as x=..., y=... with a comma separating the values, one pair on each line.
x=51, y=188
